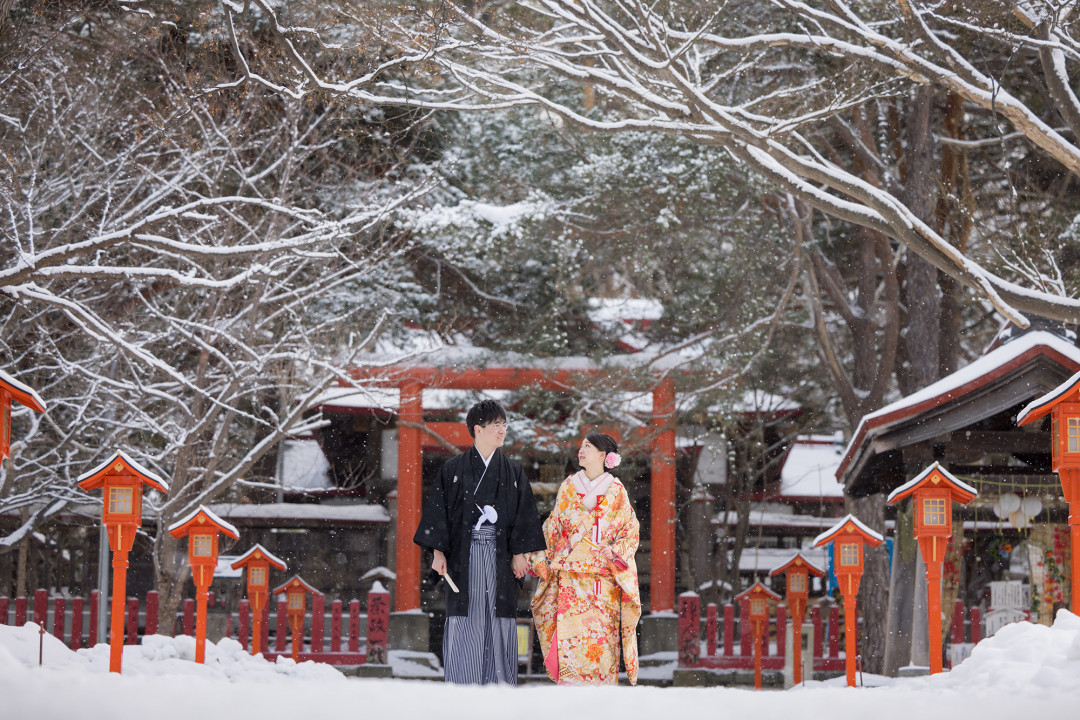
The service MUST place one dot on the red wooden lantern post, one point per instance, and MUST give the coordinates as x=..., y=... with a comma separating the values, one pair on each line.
x=296, y=592
x=258, y=562
x=848, y=537
x=1063, y=406
x=202, y=528
x=758, y=596
x=11, y=390
x=798, y=570
x=934, y=490
x=121, y=479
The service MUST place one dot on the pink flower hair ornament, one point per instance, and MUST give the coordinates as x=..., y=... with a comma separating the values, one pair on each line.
x=612, y=460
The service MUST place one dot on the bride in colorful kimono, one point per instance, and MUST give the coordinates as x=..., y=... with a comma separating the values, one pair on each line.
x=587, y=598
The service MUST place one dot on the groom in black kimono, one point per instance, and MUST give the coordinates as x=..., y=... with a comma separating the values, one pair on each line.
x=479, y=520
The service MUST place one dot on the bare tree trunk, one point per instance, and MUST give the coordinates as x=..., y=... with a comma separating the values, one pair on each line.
x=5, y=13
x=170, y=574
x=23, y=558
x=874, y=588
x=921, y=355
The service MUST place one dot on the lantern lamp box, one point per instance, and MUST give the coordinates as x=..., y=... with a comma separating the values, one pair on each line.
x=798, y=570
x=121, y=480
x=757, y=591
x=258, y=561
x=797, y=563
x=849, y=535
x=201, y=528
x=934, y=490
x=257, y=555
x=294, y=585
x=1062, y=404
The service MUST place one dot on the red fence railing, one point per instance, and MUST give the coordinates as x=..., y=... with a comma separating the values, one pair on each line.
x=74, y=621
x=718, y=650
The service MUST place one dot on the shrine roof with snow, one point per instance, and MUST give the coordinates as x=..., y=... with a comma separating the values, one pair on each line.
x=1012, y=372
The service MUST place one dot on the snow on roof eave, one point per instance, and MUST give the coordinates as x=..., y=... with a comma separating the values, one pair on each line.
x=22, y=392
x=907, y=488
x=150, y=478
x=225, y=526
x=811, y=567
x=299, y=581
x=274, y=559
x=968, y=375
x=757, y=584
x=1039, y=407
x=835, y=529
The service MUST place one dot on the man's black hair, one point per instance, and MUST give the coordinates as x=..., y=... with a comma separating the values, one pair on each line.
x=483, y=413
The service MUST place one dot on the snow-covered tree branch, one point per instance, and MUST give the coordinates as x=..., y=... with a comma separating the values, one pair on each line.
x=757, y=79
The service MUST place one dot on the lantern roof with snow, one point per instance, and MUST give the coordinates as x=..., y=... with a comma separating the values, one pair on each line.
x=21, y=392
x=256, y=554
x=120, y=465
x=293, y=584
x=938, y=478
x=1068, y=391
x=849, y=525
x=201, y=519
x=757, y=589
x=797, y=563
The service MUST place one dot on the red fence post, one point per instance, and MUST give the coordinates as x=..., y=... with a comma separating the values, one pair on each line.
x=956, y=634
x=91, y=630
x=689, y=629
x=242, y=624
x=781, y=630
x=318, y=622
x=710, y=629
x=189, y=616
x=335, y=626
x=265, y=643
x=58, y=618
x=282, y=627
x=834, y=631
x=76, y=623
x=41, y=607
x=976, y=625
x=744, y=628
x=729, y=629
x=354, y=626
x=4, y=604
x=151, y=613
x=815, y=620
x=132, y=635
x=378, y=624
x=20, y=611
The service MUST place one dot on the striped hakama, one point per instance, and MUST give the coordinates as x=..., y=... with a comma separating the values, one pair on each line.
x=480, y=648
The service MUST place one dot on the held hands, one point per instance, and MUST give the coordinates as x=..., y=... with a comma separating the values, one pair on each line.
x=438, y=562
x=519, y=565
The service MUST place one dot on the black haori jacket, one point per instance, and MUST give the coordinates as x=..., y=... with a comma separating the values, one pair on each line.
x=450, y=513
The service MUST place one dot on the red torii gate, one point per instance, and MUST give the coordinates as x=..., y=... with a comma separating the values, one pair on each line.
x=411, y=381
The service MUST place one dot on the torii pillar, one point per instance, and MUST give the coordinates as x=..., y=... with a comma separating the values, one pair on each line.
x=662, y=518
x=410, y=487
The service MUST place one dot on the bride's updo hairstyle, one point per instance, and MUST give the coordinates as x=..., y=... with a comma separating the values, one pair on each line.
x=607, y=445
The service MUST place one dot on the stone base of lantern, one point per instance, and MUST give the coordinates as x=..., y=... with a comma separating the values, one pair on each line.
x=217, y=624
x=909, y=671
x=370, y=671
x=659, y=633
x=410, y=630
x=707, y=677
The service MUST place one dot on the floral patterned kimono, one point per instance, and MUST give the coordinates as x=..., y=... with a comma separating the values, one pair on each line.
x=584, y=602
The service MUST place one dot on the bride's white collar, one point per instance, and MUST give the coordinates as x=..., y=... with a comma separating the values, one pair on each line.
x=593, y=490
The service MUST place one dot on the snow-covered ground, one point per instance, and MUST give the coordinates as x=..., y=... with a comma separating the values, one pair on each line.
x=1025, y=671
